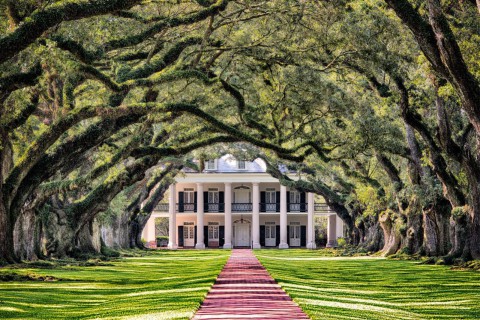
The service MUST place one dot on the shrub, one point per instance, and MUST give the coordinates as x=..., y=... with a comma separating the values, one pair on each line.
x=341, y=242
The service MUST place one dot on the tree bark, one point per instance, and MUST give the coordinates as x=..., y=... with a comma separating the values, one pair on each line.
x=391, y=230
x=88, y=239
x=436, y=221
x=26, y=236
x=60, y=236
x=460, y=233
x=414, y=234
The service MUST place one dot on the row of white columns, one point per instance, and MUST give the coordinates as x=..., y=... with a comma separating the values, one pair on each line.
x=200, y=244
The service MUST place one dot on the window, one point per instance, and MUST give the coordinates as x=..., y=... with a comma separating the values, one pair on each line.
x=213, y=231
x=270, y=195
x=210, y=164
x=294, y=197
x=241, y=164
x=188, y=195
x=213, y=200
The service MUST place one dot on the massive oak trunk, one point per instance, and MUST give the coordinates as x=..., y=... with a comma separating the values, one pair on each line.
x=413, y=241
x=27, y=236
x=460, y=232
x=436, y=221
x=88, y=238
x=391, y=225
x=60, y=235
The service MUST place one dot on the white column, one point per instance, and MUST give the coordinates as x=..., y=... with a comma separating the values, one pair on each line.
x=172, y=222
x=332, y=231
x=311, y=222
x=228, y=216
x=200, y=217
x=149, y=232
x=283, y=218
x=256, y=216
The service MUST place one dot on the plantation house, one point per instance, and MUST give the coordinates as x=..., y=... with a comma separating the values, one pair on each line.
x=235, y=203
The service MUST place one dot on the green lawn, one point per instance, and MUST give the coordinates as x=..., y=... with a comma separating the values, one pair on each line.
x=370, y=288
x=161, y=285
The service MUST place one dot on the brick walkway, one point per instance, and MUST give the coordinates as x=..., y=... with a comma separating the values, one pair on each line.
x=245, y=290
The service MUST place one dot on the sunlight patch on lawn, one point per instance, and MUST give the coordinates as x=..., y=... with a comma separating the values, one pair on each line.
x=167, y=315
x=318, y=258
x=135, y=294
x=361, y=307
x=309, y=288
x=12, y=309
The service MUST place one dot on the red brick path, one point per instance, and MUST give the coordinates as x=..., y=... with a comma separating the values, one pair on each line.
x=245, y=290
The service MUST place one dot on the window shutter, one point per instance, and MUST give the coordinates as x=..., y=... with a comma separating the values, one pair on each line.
x=303, y=236
x=221, y=200
x=221, y=235
x=277, y=240
x=180, y=236
x=303, y=201
x=205, y=201
x=180, y=201
x=288, y=202
x=205, y=235
x=262, y=202
x=277, y=195
x=262, y=236
x=288, y=235
x=195, y=234
x=195, y=198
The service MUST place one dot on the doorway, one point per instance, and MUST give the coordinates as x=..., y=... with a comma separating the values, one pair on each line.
x=294, y=234
x=188, y=234
x=270, y=234
x=241, y=233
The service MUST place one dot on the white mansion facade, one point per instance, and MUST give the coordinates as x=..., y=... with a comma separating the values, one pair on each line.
x=235, y=203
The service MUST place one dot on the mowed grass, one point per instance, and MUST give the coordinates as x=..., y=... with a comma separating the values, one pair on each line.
x=329, y=287
x=160, y=285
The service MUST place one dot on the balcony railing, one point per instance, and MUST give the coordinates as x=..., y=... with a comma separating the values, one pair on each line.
x=321, y=207
x=214, y=207
x=297, y=207
x=162, y=207
x=269, y=207
x=242, y=207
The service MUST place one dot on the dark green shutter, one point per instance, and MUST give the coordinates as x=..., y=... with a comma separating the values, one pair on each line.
x=221, y=235
x=221, y=200
x=195, y=199
x=277, y=195
x=303, y=236
x=262, y=201
x=288, y=235
x=303, y=201
x=180, y=236
x=262, y=236
x=195, y=235
x=180, y=201
x=205, y=235
x=205, y=201
x=277, y=239
x=288, y=201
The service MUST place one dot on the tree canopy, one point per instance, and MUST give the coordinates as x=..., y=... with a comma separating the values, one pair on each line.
x=374, y=103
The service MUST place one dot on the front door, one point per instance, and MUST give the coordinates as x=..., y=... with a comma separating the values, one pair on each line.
x=188, y=234
x=242, y=234
x=294, y=236
x=270, y=235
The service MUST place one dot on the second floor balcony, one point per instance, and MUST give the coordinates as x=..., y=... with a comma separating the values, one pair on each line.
x=242, y=207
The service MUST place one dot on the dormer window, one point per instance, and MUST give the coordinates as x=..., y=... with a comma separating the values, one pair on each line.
x=241, y=165
x=210, y=164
